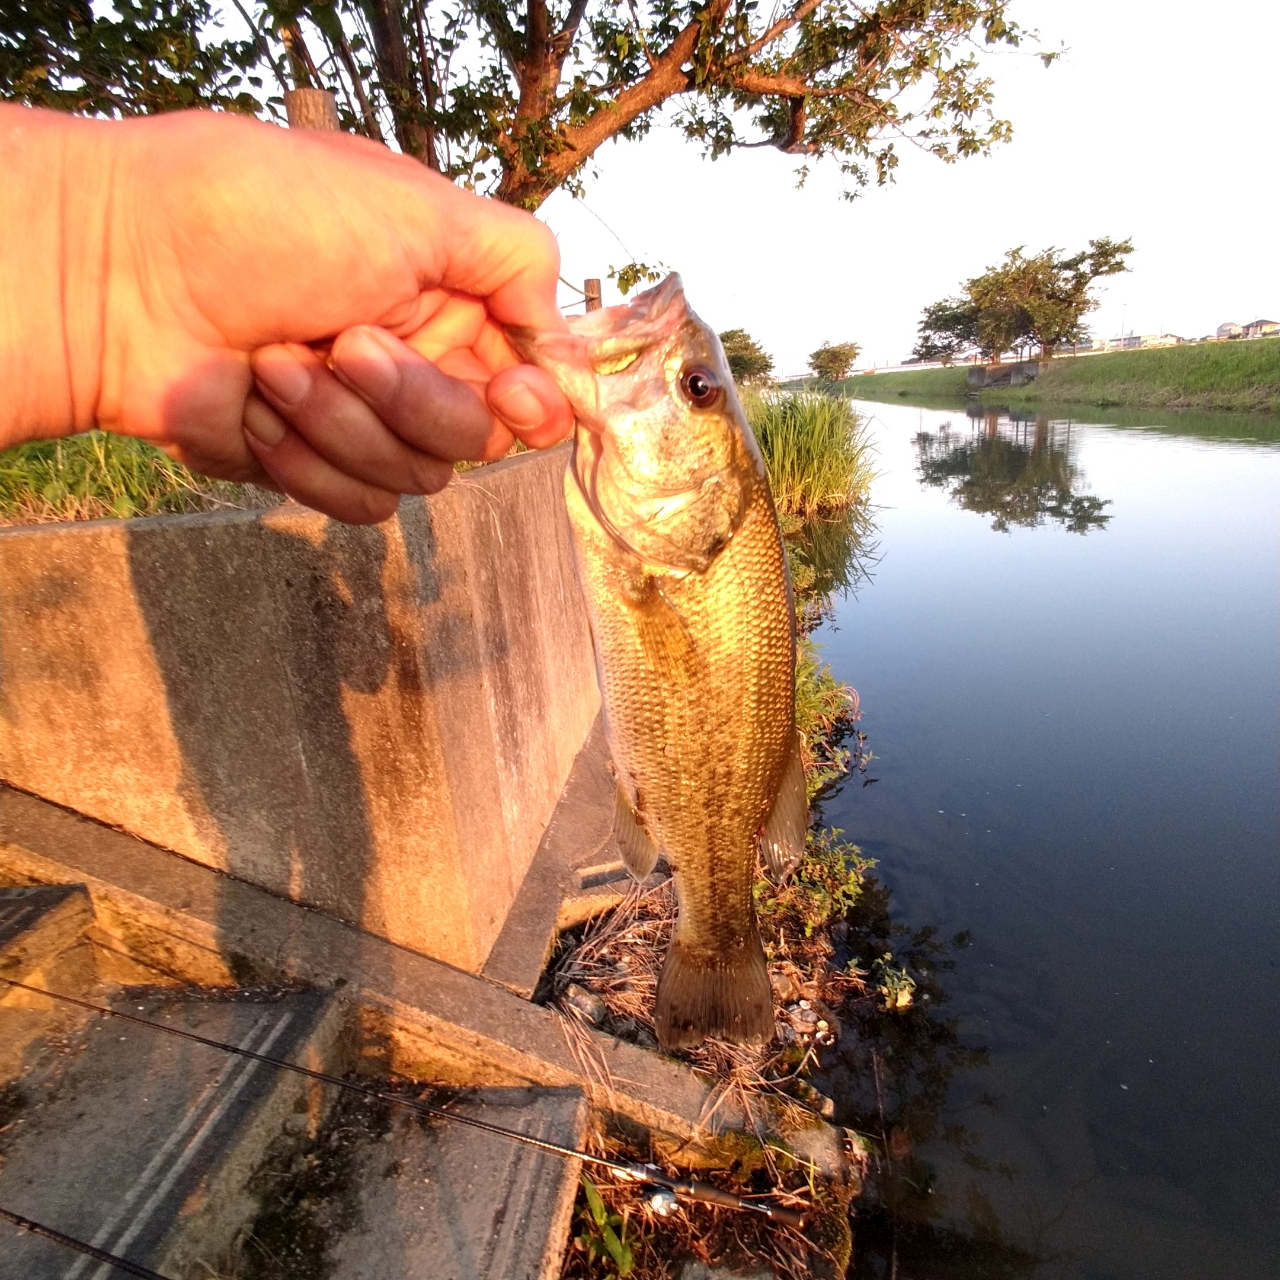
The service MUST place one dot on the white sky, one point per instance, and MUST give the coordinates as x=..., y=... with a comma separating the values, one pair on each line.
x=1162, y=122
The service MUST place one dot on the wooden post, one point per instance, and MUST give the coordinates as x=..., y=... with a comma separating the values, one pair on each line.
x=311, y=109
x=591, y=288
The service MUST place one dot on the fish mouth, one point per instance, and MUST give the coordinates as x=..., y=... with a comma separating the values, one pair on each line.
x=604, y=342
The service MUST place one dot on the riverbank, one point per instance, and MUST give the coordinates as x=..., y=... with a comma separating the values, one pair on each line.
x=1239, y=376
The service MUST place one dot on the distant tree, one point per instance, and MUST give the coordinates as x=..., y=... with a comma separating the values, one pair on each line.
x=948, y=330
x=748, y=361
x=514, y=98
x=1053, y=291
x=833, y=360
x=1025, y=302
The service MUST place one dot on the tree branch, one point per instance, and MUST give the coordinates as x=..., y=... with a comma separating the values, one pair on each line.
x=779, y=28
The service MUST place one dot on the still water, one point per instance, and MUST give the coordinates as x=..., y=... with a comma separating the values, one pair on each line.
x=1067, y=657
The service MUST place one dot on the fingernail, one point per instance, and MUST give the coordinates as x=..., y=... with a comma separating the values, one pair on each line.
x=283, y=374
x=520, y=407
x=361, y=360
x=262, y=424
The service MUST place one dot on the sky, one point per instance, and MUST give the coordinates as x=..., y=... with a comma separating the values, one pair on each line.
x=1161, y=122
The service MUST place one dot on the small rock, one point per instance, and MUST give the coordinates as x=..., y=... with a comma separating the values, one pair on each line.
x=785, y=987
x=585, y=1003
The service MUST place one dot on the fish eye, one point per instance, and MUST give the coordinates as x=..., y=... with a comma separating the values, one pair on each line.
x=700, y=386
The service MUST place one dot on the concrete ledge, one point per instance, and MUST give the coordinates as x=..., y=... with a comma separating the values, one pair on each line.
x=420, y=1017
x=375, y=722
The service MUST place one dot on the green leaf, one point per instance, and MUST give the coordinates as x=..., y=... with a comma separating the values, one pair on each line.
x=618, y=1251
x=598, y=1212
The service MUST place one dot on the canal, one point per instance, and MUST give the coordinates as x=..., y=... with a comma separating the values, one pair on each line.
x=1066, y=650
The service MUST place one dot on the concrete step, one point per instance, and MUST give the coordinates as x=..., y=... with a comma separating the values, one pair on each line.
x=441, y=1201
x=144, y=1144
x=38, y=923
x=42, y=942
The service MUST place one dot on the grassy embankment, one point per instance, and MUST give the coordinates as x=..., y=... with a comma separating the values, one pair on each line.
x=92, y=476
x=1238, y=376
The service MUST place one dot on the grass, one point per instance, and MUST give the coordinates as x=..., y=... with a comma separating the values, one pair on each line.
x=1235, y=376
x=1219, y=375
x=816, y=450
x=97, y=475
x=916, y=384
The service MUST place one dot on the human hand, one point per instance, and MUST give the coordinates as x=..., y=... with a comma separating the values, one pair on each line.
x=305, y=310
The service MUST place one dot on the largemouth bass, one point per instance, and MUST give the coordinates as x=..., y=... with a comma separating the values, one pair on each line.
x=686, y=584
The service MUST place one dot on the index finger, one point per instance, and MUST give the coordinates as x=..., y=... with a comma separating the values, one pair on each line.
x=505, y=257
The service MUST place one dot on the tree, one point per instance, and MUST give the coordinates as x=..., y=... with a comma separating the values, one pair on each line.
x=748, y=361
x=1037, y=301
x=1052, y=291
x=948, y=329
x=152, y=55
x=514, y=99
x=832, y=361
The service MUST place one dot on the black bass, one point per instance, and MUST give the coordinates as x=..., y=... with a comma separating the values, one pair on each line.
x=686, y=584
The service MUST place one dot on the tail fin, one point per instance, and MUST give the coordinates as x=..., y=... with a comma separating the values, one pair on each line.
x=703, y=994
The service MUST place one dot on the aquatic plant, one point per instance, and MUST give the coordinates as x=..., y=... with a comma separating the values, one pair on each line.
x=97, y=475
x=816, y=450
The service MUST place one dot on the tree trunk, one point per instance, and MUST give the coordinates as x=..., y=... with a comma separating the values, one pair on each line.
x=397, y=78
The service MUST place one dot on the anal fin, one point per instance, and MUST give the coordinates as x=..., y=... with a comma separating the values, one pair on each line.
x=639, y=853
x=782, y=840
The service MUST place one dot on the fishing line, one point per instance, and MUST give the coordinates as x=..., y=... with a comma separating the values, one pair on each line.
x=80, y=1246
x=689, y=1188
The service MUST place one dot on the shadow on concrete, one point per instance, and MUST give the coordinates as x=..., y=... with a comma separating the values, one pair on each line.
x=257, y=633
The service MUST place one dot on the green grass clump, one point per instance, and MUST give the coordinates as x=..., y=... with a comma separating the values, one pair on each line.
x=98, y=475
x=816, y=451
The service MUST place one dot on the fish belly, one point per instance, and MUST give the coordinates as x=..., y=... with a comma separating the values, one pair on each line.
x=697, y=681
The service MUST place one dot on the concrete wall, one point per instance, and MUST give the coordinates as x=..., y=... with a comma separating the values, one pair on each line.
x=376, y=722
x=1016, y=374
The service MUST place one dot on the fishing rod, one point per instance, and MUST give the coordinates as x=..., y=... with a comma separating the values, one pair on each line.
x=80, y=1246
x=647, y=1174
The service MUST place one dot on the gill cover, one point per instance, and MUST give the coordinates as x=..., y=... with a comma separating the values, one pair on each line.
x=666, y=464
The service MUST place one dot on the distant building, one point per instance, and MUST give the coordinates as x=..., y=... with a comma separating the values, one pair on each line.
x=1262, y=329
x=1231, y=330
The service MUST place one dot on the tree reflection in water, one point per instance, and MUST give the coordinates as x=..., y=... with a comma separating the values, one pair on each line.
x=1016, y=470
x=889, y=1075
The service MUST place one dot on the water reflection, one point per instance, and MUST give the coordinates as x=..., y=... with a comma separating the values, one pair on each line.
x=891, y=1073
x=890, y=1079
x=831, y=557
x=1016, y=470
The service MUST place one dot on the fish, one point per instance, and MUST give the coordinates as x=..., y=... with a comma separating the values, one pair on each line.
x=688, y=594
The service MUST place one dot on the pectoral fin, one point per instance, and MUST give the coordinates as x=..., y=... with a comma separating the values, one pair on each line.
x=669, y=647
x=782, y=841
x=639, y=853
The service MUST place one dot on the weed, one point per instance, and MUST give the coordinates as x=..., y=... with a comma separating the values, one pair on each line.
x=816, y=450
x=604, y=1234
